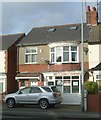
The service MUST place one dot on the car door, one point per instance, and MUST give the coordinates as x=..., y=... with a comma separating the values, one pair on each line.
x=23, y=95
x=35, y=94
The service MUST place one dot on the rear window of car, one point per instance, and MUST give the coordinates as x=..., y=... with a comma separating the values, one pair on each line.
x=47, y=89
x=55, y=89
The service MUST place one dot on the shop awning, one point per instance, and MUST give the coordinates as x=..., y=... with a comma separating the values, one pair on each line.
x=20, y=76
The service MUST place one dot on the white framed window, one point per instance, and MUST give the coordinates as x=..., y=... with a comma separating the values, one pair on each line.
x=68, y=84
x=64, y=54
x=30, y=55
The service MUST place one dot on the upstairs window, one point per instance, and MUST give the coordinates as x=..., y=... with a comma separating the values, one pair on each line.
x=64, y=54
x=30, y=55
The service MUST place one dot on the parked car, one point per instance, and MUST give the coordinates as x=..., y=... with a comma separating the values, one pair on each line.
x=44, y=96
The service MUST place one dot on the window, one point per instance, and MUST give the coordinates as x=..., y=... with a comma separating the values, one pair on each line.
x=25, y=90
x=36, y=90
x=47, y=89
x=73, y=53
x=68, y=84
x=1, y=87
x=30, y=55
x=22, y=82
x=64, y=54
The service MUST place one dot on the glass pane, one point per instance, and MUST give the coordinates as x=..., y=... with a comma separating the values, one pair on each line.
x=66, y=82
x=73, y=48
x=33, y=58
x=25, y=90
x=1, y=86
x=36, y=90
x=65, y=48
x=75, y=89
x=58, y=82
x=58, y=77
x=52, y=57
x=58, y=54
x=75, y=86
x=50, y=83
x=52, y=49
x=66, y=77
x=33, y=50
x=66, y=89
x=47, y=89
x=27, y=50
x=75, y=77
x=74, y=56
x=27, y=58
x=65, y=56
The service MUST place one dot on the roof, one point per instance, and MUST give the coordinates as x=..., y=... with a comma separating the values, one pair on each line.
x=97, y=68
x=95, y=36
x=49, y=34
x=7, y=40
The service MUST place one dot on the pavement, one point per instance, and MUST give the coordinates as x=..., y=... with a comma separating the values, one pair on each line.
x=62, y=111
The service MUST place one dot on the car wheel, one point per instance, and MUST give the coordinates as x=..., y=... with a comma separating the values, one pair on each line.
x=11, y=103
x=43, y=103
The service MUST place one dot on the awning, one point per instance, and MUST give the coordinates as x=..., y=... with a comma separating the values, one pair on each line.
x=20, y=76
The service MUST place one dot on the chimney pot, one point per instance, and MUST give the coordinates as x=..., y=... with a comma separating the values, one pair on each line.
x=88, y=8
x=93, y=8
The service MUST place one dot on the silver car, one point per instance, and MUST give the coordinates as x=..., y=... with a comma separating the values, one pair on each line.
x=44, y=96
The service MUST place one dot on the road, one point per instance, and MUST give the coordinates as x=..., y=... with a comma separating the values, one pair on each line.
x=33, y=112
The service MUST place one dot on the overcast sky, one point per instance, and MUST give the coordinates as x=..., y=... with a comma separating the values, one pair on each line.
x=23, y=16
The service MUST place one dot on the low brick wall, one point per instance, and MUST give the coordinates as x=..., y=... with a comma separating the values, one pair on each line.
x=94, y=103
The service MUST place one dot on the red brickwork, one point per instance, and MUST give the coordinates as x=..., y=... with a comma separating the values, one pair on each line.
x=94, y=103
x=51, y=68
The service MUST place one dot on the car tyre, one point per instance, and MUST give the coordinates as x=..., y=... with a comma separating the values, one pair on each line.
x=43, y=103
x=10, y=103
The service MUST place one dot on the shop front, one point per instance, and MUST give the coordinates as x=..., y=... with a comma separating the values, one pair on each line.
x=69, y=83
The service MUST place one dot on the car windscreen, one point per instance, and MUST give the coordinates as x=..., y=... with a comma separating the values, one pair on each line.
x=47, y=89
x=55, y=89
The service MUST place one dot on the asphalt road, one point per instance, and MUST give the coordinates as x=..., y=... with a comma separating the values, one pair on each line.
x=33, y=112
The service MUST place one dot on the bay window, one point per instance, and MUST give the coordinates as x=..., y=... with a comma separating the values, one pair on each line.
x=64, y=54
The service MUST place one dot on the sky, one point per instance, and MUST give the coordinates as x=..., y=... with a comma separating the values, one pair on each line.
x=22, y=16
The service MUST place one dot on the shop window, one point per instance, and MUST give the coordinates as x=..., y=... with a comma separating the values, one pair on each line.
x=66, y=89
x=75, y=86
x=58, y=80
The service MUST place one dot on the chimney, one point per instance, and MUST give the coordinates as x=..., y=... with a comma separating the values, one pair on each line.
x=91, y=16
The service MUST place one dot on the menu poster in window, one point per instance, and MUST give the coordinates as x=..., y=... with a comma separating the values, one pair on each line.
x=75, y=83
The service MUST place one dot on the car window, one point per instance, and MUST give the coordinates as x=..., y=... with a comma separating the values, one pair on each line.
x=55, y=89
x=25, y=90
x=36, y=90
x=47, y=89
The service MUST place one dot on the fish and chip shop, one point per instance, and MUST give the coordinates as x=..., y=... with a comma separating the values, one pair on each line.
x=69, y=83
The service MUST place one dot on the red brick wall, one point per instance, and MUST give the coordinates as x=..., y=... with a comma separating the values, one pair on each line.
x=52, y=68
x=11, y=67
x=94, y=103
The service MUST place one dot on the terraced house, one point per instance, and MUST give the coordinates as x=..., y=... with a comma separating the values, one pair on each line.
x=8, y=62
x=51, y=55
